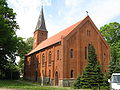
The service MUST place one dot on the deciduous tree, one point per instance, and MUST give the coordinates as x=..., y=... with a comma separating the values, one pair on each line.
x=111, y=33
x=24, y=48
x=8, y=38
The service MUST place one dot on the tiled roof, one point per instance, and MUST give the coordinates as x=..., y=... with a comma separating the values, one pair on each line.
x=54, y=39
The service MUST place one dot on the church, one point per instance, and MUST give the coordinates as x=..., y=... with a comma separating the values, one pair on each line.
x=59, y=60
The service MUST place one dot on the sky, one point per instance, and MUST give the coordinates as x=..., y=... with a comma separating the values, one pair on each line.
x=60, y=14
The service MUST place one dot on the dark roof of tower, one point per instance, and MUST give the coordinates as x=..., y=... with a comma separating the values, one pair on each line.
x=41, y=22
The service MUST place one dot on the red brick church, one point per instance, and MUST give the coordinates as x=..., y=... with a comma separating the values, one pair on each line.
x=58, y=60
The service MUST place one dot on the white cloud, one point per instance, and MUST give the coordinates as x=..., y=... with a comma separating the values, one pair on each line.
x=101, y=11
x=104, y=11
x=59, y=12
x=47, y=2
x=53, y=29
x=73, y=3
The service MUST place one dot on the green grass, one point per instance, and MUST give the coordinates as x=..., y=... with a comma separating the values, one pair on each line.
x=24, y=85
x=28, y=85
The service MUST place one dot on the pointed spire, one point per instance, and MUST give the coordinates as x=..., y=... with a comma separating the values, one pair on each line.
x=41, y=21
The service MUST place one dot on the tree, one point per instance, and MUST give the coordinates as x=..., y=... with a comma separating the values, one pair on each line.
x=77, y=84
x=24, y=48
x=8, y=38
x=111, y=33
x=92, y=76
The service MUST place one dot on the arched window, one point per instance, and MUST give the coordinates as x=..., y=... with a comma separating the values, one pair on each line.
x=71, y=74
x=37, y=62
x=57, y=54
x=49, y=73
x=50, y=57
x=88, y=32
x=71, y=53
x=104, y=56
x=86, y=52
x=43, y=73
x=43, y=59
x=56, y=79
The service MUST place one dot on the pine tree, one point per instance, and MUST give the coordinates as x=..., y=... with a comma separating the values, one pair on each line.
x=77, y=83
x=92, y=76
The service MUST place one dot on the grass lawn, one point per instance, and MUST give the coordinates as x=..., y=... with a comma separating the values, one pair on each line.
x=28, y=85
x=24, y=85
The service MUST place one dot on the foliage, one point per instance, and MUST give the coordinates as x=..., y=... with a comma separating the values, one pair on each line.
x=24, y=48
x=77, y=83
x=12, y=71
x=8, y=38
x=92, y=76
x=106, y=84
x=111, y=33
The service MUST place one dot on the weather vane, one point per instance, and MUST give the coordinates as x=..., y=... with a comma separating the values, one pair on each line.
x=87, y=13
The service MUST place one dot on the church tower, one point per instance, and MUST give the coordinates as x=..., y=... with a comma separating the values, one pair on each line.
x=40, y=33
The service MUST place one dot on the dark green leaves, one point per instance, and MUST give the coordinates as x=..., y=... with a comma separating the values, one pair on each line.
x=8, y=39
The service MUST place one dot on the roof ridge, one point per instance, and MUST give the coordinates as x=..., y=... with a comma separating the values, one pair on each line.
x=55, y=38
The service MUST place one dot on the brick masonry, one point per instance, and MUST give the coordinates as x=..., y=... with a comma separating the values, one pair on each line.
x=55, y=63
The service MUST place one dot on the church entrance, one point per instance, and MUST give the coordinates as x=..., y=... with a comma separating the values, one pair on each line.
x=56, y=78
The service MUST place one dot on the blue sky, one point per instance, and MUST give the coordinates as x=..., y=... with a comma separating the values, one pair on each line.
x=60, y=14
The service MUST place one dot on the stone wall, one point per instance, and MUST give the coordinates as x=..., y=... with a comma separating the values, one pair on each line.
x=46, y=81
x=66, y=82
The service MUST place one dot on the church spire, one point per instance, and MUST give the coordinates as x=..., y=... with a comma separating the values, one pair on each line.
x=41, y=21
x=40, y=33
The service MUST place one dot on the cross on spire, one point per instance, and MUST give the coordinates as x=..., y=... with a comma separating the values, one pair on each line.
x=87, y=13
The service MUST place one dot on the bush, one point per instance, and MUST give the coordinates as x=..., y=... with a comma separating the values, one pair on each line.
x=10, y=71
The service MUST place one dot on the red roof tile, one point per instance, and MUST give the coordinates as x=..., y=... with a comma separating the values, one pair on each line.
x=54, y=39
